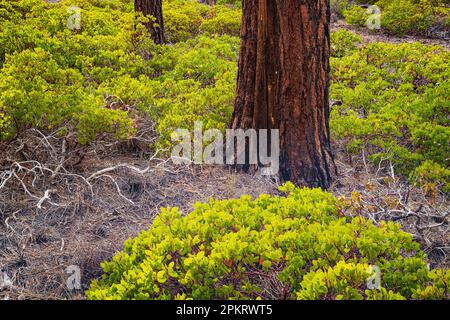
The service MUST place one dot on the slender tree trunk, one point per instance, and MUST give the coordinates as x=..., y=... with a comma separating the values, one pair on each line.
x=283, y=83
x=153, y=9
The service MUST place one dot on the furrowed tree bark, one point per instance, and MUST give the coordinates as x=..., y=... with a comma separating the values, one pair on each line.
x=283, y=83
x=153, y=9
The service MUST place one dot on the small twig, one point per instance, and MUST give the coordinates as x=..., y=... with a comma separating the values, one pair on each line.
x=45, y=197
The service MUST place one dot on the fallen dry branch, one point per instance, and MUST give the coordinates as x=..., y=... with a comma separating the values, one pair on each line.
x=379, y=194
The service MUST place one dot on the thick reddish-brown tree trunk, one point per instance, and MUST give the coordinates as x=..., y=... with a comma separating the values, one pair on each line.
x=153, y=9
x=283, y=83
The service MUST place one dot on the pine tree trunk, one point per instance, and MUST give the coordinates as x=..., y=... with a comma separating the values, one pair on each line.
x=283, y=83
x=152, y=8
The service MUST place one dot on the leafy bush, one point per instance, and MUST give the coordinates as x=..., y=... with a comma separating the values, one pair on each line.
x=187, y=19
x=404, y=16
x=101, y=77
x=233, y=3
x=355, y=15
x=182, y=19
x=303, y=242
x=223, y=20
x=338, y=7
x=366, y=1
x=198, y=85
x=344, y=43
x=440, y=287
x=413, y=16
x=49, y=72
x=394, y=105
x=36, y=91
x=431, y=176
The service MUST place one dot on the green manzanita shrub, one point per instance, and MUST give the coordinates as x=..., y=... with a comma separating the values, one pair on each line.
x=394, y=105
x=101, y=77
x=301, y=242
x=232, y=3
x=344, y=43
x=355, y=15
x=338, y=7
x=49, y=73
x=35, y=90
x=185, y=19
x=402, y=17
x=182, y=19
x=413, y=16
x=223, y=20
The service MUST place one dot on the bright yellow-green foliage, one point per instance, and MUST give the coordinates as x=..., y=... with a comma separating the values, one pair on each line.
x=344, y=43
x=36, y=90
x=185, y=19
x=196, y=81
x=403, y=16
x=101, y=77
x=104, y=76
x=49, y=71
x=412, y=16
x=395, y=105
x=228, y=250
x=223, y=20
x=439, y=289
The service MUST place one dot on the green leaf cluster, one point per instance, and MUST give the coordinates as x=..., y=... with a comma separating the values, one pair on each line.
x=108, y=76
x=296, y=246
x=393, y=103
x=402, y=17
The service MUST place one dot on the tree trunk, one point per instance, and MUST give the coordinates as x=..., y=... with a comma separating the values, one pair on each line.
x=283, y=83
x=152, y=9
